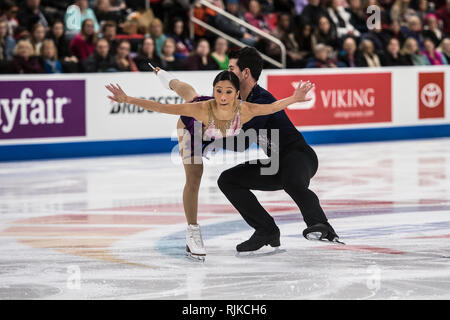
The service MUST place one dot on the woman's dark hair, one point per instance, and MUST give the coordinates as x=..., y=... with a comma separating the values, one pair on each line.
x=227, y=76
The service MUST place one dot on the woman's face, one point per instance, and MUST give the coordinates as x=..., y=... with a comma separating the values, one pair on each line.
x=203, y=49
x=446, y=46
x=48, y=50
x=254, y=8
x=123, y=50
x=324, y=25
x=168, y=48
x=368, y=47
x=149, y=46
x=58, y=29
x=428, y=46
x=225, y=93
x=432, y=23
x=221, y=45
x=39, y=34
x=412, y=45
x=178, y=28
x=285, y=22
x=423, y=5
x=89, y=28
x=393, y=46
x=24, y=50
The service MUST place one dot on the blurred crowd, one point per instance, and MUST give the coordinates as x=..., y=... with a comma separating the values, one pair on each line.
x=62, y=36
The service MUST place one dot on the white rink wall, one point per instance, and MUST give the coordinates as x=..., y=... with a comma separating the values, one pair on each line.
x=54, y=116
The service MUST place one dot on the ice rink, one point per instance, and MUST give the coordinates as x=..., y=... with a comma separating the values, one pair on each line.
x=114, y=228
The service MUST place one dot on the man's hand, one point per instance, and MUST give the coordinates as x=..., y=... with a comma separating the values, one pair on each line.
x=302, y=90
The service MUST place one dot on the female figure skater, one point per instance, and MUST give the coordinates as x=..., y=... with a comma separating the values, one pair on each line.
x=219, y=117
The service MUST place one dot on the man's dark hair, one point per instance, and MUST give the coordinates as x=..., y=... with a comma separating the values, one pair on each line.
x=248, y=57
x=227, y=75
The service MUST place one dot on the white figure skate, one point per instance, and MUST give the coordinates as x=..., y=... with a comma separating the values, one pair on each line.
x=194, y=243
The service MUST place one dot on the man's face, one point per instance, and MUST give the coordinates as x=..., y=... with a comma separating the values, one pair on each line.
x=110, y=33
x=102, y=48
x=233, y=67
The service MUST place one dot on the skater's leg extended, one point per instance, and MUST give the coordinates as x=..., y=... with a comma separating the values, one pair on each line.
x=298, y=167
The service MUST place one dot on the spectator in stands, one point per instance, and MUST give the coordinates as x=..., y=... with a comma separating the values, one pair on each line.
x=147, y=54
x=284, y=32
x=312, y=13
x=68, y=61
x=412, y=53
x=431, y=29
x=100, y=60
x=8, y=13
x=401, y=11
x=73, y=25
x=232, y=28
x=435, y=58
x=392, y=56
x=443, y=13
x=156, y=31
x=444, y=49
x=169, y=61
x=123, y=60
x=37, y=36
x=256, y=18
x=24, y=61
x=325, y=33
x=368, y=56
x=83, y=45
x=357, y=16
x=304, y=43
x=220, y=53
x=394, y=31
x=348, y=54
x=30, y=13
x=321, y=58
x=49, y=56
x=341, y=19
x=414, y=29
x=422, y=9
x=182, y=42
x=104, y=11
x=7, y=43
x=109, y=32
x=201, y=58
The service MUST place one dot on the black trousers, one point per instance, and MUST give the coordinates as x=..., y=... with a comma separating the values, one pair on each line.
x=298, y=164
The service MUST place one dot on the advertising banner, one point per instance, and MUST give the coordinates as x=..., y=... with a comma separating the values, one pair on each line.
x=431, y=95
x=337, y=98
x=42, y=109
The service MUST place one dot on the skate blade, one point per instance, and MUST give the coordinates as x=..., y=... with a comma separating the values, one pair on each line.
x=257, y=253
x=194, y=257
x=318, y=236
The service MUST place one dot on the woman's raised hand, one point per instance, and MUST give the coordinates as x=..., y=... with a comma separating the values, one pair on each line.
x=118, y=94
x=302, y=90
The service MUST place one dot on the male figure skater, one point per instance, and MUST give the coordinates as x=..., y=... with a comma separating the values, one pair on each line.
x=298, y=163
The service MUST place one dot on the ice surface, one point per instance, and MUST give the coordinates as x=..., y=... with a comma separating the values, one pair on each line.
x=114, y=228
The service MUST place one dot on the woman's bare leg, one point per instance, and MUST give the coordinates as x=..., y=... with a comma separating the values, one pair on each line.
x=193, y=178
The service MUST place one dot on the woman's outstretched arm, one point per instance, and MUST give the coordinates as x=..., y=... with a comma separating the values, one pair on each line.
x=299, y=95
x=196, y=110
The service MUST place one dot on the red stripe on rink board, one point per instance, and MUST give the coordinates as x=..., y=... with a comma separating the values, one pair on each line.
x=363, y=248
x=442, y=236
x=202, y=208
x=106, y=219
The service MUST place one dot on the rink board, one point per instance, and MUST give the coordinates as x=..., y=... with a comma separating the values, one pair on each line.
x=70, y=116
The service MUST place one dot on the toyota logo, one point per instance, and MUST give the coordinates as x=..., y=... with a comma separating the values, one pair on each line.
x=431, y=95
